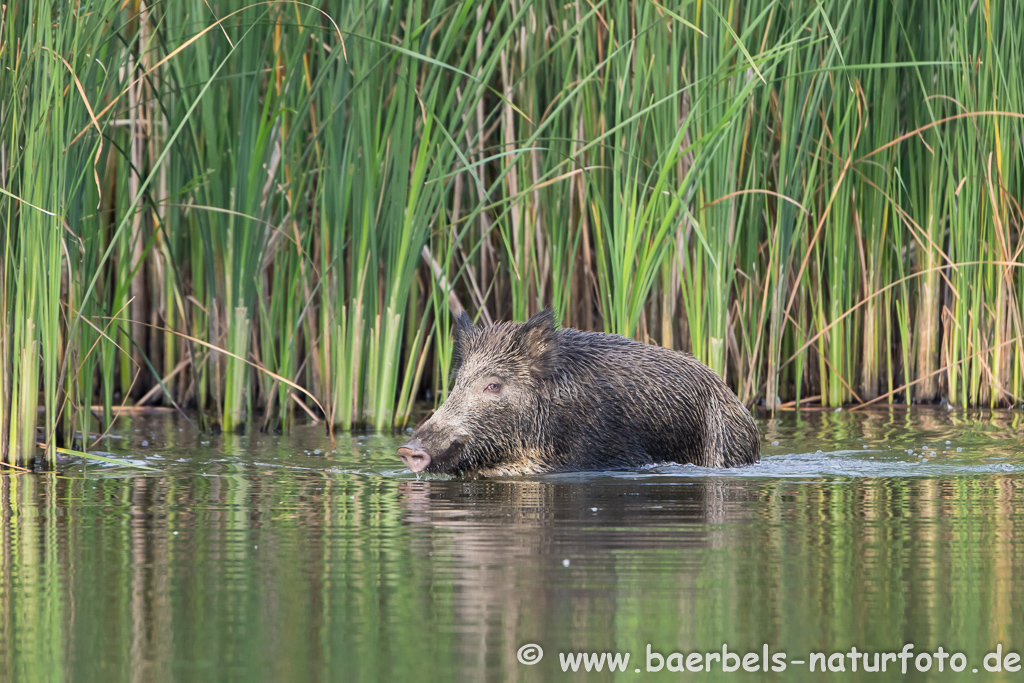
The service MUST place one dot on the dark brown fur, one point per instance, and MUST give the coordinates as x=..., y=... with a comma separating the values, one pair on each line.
x=572, y=400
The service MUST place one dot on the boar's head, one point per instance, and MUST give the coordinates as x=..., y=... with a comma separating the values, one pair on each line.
x=494, y=418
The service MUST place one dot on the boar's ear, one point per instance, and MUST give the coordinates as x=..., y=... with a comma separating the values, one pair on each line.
x=461, y=334
x=539, y=342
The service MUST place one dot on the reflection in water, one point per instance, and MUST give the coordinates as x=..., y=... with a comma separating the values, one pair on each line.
x=561, y=564
x=274, y=558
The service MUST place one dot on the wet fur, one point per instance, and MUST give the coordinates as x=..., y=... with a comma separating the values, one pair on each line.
x=580, y=401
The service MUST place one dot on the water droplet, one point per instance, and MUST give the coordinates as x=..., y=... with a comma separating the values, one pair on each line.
x=958, y=449
x=948, y=442
x=775, y=443
x=565, y=563
x=145, y=443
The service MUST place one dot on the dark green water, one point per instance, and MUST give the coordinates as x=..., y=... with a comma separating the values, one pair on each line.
x=279, y=558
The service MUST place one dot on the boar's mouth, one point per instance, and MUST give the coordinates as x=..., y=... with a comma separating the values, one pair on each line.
x=418, y=459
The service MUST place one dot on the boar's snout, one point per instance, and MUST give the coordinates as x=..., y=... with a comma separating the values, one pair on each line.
x=413, y=455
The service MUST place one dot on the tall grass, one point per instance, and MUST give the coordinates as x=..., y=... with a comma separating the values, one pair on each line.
x=262, y=209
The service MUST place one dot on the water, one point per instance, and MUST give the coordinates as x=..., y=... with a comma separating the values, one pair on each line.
x=256, y=558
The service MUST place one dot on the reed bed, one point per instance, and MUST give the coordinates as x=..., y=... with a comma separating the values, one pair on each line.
x=253, y=210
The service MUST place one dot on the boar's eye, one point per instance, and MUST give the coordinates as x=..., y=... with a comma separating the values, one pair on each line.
x=493, y=388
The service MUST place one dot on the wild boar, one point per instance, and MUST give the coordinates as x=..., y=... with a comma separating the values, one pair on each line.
x=527, y=398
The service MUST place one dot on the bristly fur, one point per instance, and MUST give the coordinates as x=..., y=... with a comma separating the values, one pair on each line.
x=572, y=400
